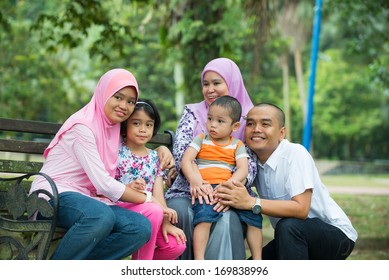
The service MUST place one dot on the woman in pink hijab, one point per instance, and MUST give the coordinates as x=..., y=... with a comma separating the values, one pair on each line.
x=221, y=76
x=82, y=161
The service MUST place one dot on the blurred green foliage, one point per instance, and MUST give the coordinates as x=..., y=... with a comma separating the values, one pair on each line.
x=53, y=52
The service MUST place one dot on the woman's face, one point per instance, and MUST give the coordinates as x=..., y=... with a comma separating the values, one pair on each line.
x=214, y=86
x=120, y=105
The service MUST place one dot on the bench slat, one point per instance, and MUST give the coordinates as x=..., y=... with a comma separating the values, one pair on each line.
x=19, y=166
x=22, y=146
x=37, y=127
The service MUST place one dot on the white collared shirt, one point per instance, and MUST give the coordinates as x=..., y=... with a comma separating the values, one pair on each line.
x=291, y=170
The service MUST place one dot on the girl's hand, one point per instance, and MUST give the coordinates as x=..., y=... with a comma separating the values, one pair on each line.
x=138, y=184
x=165, y=157
x=168, y=228
x=171, y=215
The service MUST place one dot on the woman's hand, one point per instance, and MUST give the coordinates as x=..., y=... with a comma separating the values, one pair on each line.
x=171, y=176
x=165, y=157
x=168, y=228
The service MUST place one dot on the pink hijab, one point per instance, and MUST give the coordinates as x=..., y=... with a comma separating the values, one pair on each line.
x=92, y=115
x=231, y=74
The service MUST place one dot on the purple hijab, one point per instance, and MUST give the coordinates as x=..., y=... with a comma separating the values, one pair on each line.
x=231, y=74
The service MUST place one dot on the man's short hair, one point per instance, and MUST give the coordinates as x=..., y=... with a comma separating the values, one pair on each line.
x=280, y=112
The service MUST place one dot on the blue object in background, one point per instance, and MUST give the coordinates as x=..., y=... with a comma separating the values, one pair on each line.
x=307, y=133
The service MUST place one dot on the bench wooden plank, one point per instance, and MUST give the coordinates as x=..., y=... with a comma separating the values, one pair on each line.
x=50, y=129
x=22, y=146
x=18, y=166
x=37, y=127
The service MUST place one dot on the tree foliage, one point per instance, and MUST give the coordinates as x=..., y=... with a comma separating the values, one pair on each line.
x=53, y=52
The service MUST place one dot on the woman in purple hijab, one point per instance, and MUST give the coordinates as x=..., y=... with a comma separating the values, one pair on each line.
x=220, y=76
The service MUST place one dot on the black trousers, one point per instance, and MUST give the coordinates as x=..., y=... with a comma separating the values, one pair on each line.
x=310, y=239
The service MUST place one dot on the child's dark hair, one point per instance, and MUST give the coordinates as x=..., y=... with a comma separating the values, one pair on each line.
x=231, y=104
x=149, y=108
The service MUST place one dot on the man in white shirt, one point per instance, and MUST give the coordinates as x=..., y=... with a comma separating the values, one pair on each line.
x=307, y=221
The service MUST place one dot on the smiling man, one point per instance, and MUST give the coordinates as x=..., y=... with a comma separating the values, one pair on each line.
x=308, y=223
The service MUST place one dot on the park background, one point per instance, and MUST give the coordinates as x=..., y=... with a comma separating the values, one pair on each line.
x=53, y=52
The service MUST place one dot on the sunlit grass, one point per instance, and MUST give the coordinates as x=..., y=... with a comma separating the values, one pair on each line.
x=357, y=180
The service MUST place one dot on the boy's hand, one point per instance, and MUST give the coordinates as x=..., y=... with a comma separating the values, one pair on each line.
x=203, y=191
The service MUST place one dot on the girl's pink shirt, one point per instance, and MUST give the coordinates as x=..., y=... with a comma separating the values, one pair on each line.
x=75, y=165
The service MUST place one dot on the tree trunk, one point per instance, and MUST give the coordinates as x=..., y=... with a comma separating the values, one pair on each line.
x=285, y=89
x=179, y=81
x=300, y=81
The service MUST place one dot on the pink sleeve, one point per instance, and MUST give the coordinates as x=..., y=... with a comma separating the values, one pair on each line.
x=85, y=150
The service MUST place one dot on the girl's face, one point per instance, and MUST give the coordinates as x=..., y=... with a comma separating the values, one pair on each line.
x=120, y=105
x=140, y=128
x=214, y=86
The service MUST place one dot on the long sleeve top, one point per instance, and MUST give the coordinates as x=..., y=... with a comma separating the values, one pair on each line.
x=75, y=165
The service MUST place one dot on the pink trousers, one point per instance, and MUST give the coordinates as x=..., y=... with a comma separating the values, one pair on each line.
x=156, y=248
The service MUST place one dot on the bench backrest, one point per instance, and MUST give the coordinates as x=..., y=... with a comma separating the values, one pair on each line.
x=32, y=138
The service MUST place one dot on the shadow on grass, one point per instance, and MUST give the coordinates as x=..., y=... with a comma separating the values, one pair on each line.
x=372, y=244
x=371, y=249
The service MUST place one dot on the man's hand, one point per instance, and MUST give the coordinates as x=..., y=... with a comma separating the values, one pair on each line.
x=219, y=207
x=233, y=194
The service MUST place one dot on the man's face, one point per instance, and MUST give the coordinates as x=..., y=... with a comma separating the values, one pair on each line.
x=263, y=131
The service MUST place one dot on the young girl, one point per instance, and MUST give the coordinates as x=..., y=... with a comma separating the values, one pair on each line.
x=140, y=165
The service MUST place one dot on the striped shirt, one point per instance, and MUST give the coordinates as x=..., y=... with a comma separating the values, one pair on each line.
x=217, y=162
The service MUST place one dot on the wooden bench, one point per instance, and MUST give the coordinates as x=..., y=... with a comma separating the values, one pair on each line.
x=22, y=144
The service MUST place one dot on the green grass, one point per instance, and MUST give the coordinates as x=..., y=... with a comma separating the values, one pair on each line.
x=356, y=180
x=369, y=215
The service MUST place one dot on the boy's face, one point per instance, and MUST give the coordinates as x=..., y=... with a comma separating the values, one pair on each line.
x=219, y=123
